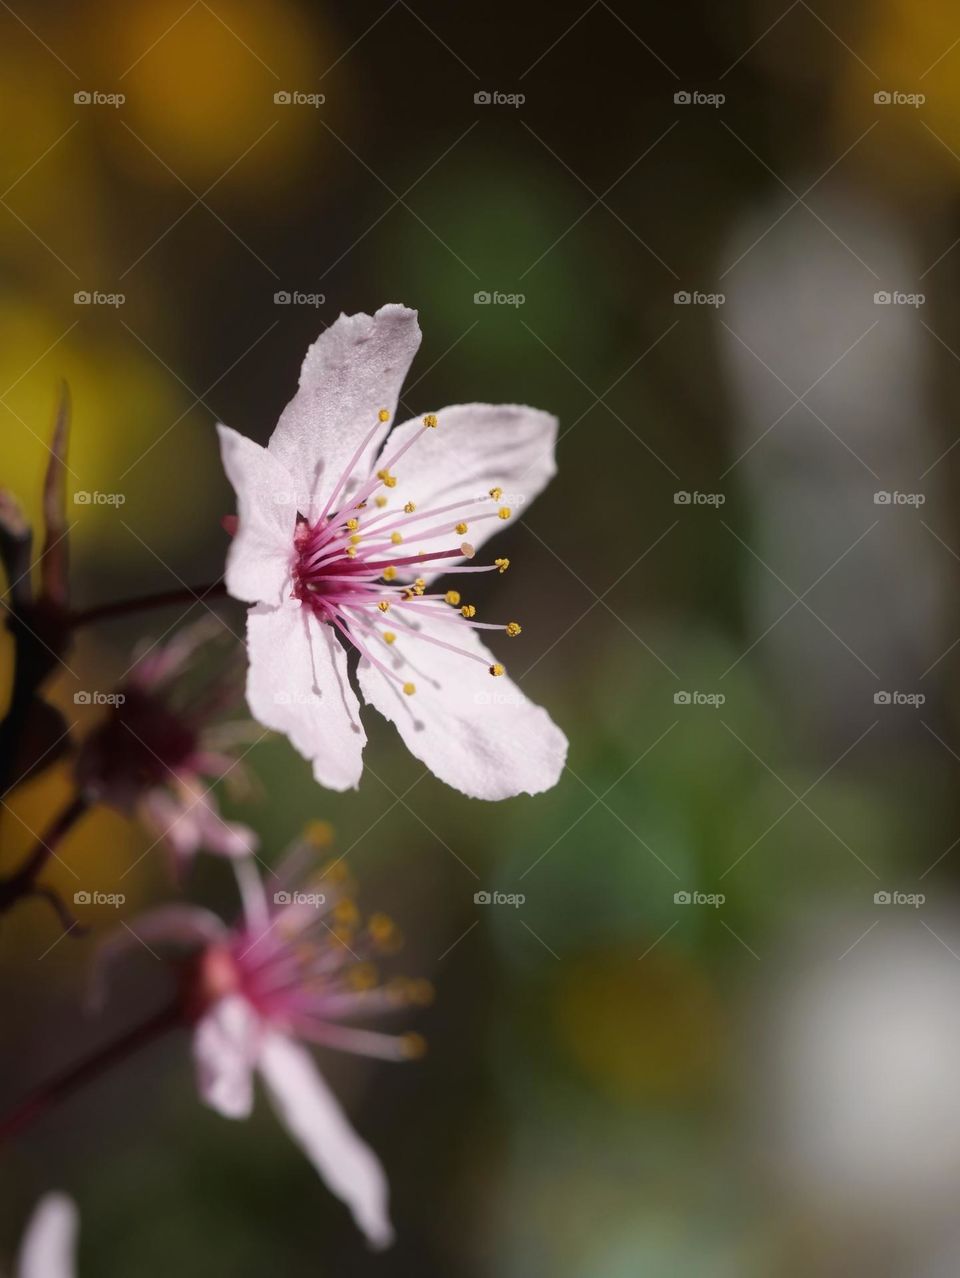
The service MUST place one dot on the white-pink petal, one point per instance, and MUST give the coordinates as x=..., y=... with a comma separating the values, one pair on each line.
x=315, y=1120
x=260, y=555
x=353, y=369
x=478, y=733
x=225, y=1047
x=297, y=684
x=474, y=448
x=49, y=1244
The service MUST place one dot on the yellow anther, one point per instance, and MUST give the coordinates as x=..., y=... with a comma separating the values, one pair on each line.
x=352, y=552
x=431, y=421
x=382, y=929
x=353, y=524
x=406, y=594
x=396, y=538
x=409, y=689
x=389, y=637
x=410, y=507
x=319, y=833
x=356, y=539
x=504, y=512
x=453, y=598
x=502, y=564
x=513, y=629
x=414, y=1046
x=389, y=573
x=419, y=992
x=420, y=585
x=383, y=415
x=397, y=988
x=333, y=871
x=380, y=501
x=496, y=493
x=346, y=912
x=468, y=610
x=496, y=670
x=461, y=528
x=384, y=605
x=386, y=478
x=362, y=977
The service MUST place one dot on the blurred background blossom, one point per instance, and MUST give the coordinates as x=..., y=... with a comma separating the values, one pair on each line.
x=719, y=1033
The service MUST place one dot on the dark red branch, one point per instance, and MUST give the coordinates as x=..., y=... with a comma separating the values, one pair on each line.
x=65, y=1084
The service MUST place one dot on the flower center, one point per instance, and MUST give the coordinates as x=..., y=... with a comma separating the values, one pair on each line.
x=352, y=570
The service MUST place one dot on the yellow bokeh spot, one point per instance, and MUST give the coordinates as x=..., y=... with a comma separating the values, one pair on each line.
x=649, y=1031
x=200, y=83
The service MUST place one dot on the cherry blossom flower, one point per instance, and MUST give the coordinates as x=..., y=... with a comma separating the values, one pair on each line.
x=159, y=751
x=291, y=971
x=48, y=1245
x=341, y=534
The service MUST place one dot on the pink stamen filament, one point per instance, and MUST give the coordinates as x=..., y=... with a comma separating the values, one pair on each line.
x=365, y=1042
x=415, y=516
x=345, y=477
x=418, y=634
x=436, y=531
x=364, y=650
x=375, y=482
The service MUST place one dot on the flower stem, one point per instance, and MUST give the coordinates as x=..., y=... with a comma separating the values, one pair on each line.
x=124, y=607
x=23, y=882
x=65, y=1084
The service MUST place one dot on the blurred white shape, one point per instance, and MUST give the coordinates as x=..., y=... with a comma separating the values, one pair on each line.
x=801, y=314
x=861, y=1100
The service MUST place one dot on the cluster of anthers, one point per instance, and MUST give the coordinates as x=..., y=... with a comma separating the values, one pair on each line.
x=307, y=960
x=352, y=571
